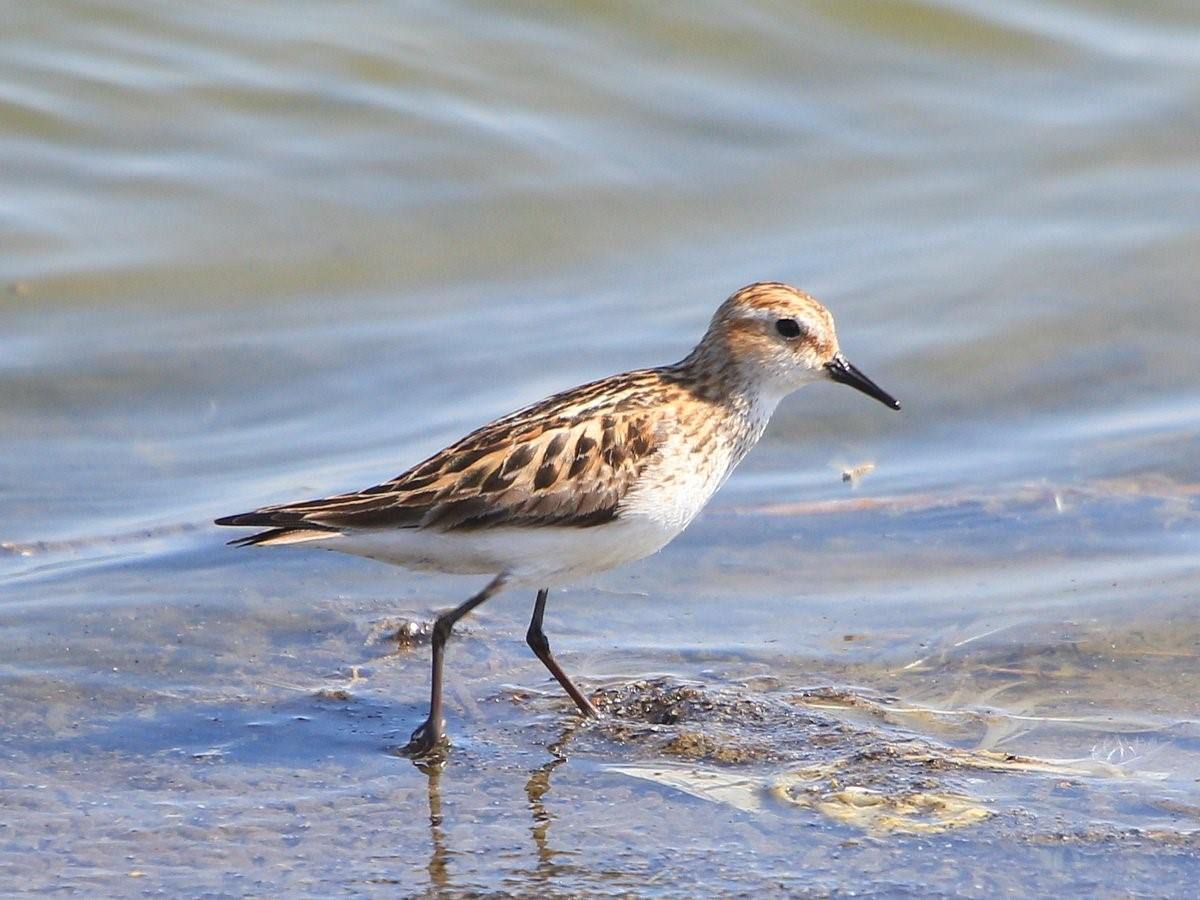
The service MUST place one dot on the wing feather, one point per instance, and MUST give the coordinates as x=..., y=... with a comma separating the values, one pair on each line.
x=567, y=461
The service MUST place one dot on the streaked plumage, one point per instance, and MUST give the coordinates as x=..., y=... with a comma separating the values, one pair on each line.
x=566, y=461
x=587, y=479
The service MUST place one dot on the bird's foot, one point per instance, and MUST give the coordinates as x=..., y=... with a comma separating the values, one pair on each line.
x=427, y=740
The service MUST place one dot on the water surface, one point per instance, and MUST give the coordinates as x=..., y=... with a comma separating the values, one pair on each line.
x=252, y=256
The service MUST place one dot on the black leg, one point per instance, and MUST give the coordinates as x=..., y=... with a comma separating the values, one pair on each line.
x=432, y=731
x=536, y=638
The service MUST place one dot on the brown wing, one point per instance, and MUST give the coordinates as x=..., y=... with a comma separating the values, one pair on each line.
x=568, y=461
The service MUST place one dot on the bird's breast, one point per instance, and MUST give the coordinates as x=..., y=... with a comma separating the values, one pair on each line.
x=689, y=467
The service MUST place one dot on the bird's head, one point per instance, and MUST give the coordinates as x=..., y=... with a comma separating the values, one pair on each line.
x=784, y=339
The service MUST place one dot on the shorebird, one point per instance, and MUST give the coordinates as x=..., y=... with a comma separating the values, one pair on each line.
x=586, y=480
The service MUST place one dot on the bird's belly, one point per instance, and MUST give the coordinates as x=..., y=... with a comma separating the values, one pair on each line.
x=544, y=556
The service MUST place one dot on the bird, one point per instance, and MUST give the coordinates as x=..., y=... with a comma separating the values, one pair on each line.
x=581, y=482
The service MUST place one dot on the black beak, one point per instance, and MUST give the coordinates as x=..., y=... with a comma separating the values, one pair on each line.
x=841, y=370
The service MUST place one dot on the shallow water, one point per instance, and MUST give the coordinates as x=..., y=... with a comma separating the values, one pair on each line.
x=252, y=256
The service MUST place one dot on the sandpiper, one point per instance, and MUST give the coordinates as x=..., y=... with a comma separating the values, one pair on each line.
x=583, y=481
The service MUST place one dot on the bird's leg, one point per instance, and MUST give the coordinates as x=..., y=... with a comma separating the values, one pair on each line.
x=536, y=638
x=431, y=732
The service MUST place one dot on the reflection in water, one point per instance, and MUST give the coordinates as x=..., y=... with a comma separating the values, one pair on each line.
x=438, y=877
x=536, y=788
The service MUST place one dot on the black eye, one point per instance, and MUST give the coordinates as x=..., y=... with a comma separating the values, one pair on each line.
x=789, y=328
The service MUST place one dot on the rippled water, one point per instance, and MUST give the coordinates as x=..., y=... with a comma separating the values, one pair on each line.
x=252, y=254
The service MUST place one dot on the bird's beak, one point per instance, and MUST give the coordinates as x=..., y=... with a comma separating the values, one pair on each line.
x=841, y=370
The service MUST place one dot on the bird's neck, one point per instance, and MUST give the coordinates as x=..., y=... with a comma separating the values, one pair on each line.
x=746, y=399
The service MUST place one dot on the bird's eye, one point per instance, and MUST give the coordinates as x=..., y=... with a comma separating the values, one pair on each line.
x=789, y=328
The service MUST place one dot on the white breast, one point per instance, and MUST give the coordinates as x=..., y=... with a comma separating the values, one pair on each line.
x=686, y=472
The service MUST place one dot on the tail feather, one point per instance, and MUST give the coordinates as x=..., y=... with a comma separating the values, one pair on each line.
x=283, y=527
x=262, y=518
x=279, y=536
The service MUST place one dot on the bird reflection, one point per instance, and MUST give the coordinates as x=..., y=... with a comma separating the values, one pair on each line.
x=537, y=786
x=438, y=876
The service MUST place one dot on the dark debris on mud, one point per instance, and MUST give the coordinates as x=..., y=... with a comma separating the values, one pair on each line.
x=692, y=722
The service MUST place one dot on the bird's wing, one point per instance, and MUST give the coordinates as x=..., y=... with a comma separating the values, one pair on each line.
x=567, y=461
